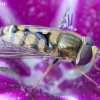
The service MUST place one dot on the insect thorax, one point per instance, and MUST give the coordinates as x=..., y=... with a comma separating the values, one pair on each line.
x=67, y=44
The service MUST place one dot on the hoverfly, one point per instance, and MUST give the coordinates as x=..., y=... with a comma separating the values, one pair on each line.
x=27, y=40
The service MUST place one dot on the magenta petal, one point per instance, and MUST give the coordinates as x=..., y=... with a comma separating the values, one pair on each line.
x=87, y=19
x=34, y=12
x=63, y=79
x=17, y=65
x=11, y=89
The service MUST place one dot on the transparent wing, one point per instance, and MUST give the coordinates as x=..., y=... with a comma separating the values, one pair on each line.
x=24, y=44
x=8, y=49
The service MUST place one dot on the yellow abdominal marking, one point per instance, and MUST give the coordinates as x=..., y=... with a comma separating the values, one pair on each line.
x=30, y=39
x=20, y=28
x=33, y=30
x=18, y=37
x=44, y=31
x=41, y=45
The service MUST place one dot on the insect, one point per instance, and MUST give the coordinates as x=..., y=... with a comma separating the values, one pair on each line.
x=27, y=40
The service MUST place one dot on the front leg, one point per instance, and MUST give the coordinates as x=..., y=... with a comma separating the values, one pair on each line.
x=90, y=79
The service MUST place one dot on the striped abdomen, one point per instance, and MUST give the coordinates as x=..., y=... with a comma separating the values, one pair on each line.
x=22, y=36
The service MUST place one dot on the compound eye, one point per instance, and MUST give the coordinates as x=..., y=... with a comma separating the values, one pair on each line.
x=85, y=55
x=89, y=41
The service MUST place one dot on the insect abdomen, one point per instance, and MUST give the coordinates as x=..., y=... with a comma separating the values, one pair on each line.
x=22, y=36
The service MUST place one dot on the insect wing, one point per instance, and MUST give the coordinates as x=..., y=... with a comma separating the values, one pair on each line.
x=22, y=44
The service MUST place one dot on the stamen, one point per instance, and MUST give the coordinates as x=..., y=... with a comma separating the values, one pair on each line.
x=67, y=22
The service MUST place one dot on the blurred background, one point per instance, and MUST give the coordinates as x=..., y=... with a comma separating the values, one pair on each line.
x=62, y=79
x=44, y=12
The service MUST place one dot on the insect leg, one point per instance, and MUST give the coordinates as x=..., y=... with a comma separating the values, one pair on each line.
x=46, y=72
x=95, y=66
x=90, y=79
